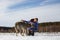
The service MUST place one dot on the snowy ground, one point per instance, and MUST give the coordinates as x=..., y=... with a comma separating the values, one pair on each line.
x=38, y=36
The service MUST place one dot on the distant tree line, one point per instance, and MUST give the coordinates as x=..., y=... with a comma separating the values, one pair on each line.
x=43, y=27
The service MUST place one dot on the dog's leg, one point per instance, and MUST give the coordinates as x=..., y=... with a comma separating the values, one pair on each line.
x=16, y=31
x=23, y=31
x=27, y=31
x=17, y=28
x=20, y=31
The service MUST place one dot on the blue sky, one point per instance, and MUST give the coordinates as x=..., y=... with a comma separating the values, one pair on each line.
x=32, y=3
x=12, y=11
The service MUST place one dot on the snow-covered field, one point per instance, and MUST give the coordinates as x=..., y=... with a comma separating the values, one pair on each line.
x=38, y=36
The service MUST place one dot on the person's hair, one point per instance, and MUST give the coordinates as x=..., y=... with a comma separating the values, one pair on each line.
x=32, y=20
x=36, y=19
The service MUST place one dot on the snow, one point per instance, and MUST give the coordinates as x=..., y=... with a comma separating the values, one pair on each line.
x=38, y=36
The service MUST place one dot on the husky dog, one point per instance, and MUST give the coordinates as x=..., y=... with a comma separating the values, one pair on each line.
x=21, y=27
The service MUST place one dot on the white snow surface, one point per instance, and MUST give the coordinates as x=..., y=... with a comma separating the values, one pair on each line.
x=37, y=36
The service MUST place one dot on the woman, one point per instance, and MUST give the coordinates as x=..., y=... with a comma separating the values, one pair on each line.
x=34, y=25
